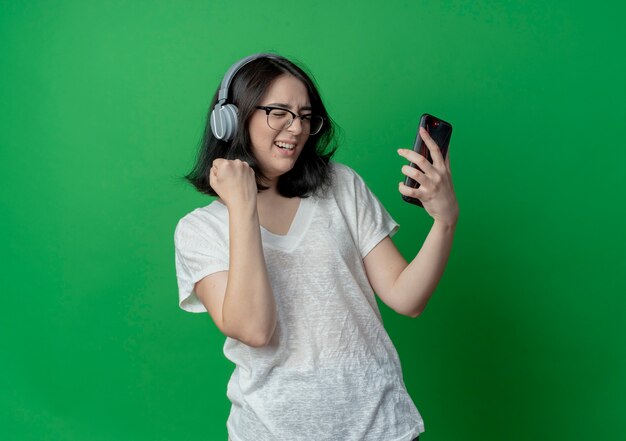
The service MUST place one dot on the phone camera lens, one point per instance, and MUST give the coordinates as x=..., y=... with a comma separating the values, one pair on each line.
x=436, y=123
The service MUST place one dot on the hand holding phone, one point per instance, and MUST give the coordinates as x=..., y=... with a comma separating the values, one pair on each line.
x=440, y=131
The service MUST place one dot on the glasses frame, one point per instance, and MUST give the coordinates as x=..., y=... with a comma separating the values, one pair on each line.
x=268, y=109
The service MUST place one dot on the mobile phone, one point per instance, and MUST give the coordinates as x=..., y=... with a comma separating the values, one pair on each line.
x=440, y=131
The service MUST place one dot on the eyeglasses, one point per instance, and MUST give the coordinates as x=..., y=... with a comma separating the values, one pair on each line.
x=281, y=119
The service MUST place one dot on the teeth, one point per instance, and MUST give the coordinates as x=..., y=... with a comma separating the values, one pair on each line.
x=284, y=145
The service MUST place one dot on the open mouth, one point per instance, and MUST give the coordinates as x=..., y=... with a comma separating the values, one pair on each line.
x=285, y=146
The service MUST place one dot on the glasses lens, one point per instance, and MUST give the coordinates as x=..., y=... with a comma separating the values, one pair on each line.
x=315, y=124
x=279, y=119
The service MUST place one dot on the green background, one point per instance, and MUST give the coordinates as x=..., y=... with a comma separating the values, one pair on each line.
x=102, y=106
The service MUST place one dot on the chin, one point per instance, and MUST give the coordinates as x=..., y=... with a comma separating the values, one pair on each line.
x=279, y=171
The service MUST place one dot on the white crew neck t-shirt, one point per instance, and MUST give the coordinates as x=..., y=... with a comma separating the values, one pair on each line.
x=330, y=372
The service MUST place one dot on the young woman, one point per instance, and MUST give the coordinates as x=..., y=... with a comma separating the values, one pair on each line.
x=287, y=259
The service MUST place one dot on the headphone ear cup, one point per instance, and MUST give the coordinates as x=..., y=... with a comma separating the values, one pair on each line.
x=224, y=121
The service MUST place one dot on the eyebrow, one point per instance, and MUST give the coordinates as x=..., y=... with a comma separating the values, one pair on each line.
x=287, y=106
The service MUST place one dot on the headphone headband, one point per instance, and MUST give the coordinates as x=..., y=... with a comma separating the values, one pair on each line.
x=230, y=74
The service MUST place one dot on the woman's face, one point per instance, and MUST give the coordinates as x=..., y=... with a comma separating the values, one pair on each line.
x=277, y=151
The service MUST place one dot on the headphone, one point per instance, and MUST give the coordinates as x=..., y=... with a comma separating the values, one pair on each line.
x=223, y=115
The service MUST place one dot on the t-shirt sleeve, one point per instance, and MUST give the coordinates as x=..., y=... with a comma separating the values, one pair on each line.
x=199, y=252
x=373, y=222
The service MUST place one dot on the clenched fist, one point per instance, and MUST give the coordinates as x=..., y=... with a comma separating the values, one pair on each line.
x=234, y=182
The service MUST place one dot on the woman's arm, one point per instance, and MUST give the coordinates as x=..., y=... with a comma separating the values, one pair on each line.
x=406, y=288
x=240, y=300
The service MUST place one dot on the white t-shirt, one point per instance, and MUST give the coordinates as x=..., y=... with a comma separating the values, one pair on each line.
x=330, y=371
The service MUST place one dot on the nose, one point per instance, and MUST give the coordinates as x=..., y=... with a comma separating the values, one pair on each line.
x=295, y=126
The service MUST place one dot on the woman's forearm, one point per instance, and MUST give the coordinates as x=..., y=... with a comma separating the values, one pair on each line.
x=417, y=282
x=249, y=309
